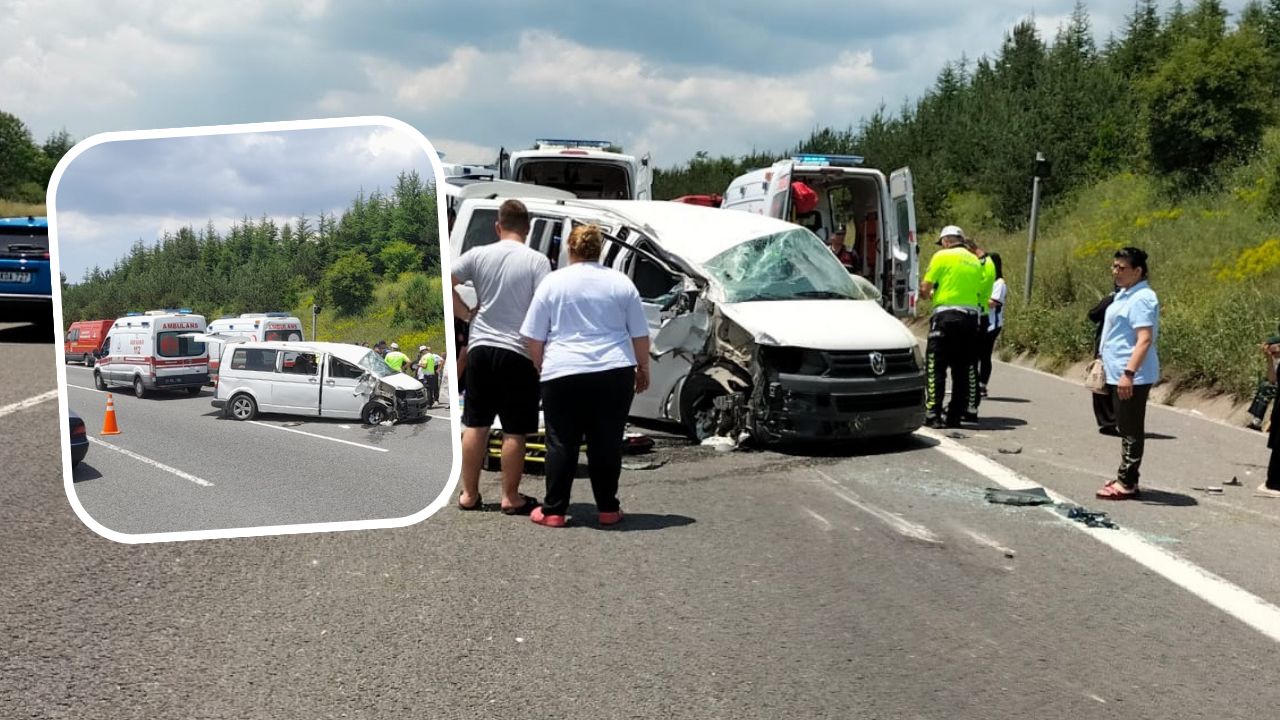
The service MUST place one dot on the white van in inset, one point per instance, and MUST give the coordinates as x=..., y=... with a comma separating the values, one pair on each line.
x=317, y=379
x=586, y=168
x=878, y=213
x=263, y=327
x=755, y=327
x=154, y=351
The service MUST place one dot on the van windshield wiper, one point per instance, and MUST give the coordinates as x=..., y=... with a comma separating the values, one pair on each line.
x=822, y=294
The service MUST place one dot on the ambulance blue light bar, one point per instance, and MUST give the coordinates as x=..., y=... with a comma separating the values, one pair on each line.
x=829, y=160
x=550, y=143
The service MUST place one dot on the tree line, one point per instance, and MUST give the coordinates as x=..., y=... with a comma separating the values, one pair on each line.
x=1183, y=96
x=258, y=265
x=25, y=167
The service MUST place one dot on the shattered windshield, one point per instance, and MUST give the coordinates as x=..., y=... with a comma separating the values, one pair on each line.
x=376, y=365
x=791, y=265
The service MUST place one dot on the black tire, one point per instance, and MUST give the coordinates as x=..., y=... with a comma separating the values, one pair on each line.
x=696, y=398
x=194, y=390
x=375, y=413
x=98, y=382
x=242, y=407
x=139, y=390
x=89, y=360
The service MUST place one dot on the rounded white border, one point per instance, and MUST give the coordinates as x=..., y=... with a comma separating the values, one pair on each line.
x=60, y=351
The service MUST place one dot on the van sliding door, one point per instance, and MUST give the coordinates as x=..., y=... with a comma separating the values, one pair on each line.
x=903, y=278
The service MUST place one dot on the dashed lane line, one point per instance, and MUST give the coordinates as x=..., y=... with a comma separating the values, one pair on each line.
x=154, y=463
x=28, y=403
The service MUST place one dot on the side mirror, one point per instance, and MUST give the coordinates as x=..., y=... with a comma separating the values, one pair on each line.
x=866, y=287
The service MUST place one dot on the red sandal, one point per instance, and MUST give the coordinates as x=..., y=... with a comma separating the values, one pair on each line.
x=1116, y=490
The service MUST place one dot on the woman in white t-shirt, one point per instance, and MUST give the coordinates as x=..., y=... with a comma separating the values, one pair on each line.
x=987, y=345
x=587, y=333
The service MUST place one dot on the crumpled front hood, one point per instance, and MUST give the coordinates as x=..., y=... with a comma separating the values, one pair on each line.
x=821, y=324
x=400, y=381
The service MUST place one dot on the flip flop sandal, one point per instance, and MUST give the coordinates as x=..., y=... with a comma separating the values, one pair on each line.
x=525, y=509
x=1113, y=491
x=477, y=505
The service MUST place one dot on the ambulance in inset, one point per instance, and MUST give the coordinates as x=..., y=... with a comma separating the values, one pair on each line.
x=823, y=192
x=154, y=351
x=262, y=327
x=590, y=169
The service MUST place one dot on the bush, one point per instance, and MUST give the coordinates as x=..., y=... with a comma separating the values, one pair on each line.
x=348, y=283
x=399, y=257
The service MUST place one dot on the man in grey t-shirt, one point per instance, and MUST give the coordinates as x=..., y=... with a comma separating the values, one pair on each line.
x=501, y=380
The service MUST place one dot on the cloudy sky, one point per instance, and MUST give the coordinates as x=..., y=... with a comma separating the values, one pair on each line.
x=114, y=193
x=669, y=77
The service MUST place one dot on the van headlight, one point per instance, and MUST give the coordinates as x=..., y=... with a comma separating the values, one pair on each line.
x=917, y=351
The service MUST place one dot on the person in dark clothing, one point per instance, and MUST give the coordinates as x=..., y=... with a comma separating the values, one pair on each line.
x=1271, y=488
x=1104, y=410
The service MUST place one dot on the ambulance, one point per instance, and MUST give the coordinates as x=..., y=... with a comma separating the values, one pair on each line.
x=823, y=192
x=262, y=327
x=589, y=169
x=154, y=351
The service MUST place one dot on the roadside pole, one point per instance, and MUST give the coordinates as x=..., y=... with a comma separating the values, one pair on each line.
x=1041, y=170
x=315, y=311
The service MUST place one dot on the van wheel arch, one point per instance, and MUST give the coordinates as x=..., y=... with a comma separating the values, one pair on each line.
x=697, y=393
x=139, y=390
x=242, y=406
x=374, y=413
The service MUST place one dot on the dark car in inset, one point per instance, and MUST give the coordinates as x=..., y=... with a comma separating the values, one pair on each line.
x=79, y=437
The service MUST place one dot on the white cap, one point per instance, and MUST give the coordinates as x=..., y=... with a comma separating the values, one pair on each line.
x=421, y=348
x=395, y=346
x=950, y=230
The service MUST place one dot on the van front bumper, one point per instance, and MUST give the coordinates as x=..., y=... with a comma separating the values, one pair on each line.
x=411, y=405
x=812, y=408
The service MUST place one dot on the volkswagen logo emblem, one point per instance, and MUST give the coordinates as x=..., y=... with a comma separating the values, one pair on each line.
x=877, y=363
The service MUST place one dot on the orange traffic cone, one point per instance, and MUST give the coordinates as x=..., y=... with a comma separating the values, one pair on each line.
x=109, y=426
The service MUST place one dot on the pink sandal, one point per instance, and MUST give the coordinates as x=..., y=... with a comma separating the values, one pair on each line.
x=1115, y=490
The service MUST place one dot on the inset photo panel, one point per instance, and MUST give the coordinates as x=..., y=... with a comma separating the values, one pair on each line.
x=253, y=330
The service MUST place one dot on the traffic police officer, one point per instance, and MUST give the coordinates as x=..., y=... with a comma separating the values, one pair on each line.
x=954, y=282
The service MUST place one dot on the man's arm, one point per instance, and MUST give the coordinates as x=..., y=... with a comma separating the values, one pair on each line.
x=460, y=309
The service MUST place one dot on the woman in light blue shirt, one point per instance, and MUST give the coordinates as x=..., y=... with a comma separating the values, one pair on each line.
x=587, y=332
x=1129, y=334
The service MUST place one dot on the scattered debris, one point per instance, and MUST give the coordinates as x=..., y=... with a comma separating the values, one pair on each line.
x=719, y=443
x=1211, y=489
x=1233, y=482
x=645, y=464
x=955, y=435
x=634, y=443
x=1030, y=496
x=1010, y=451
x=1090, y=518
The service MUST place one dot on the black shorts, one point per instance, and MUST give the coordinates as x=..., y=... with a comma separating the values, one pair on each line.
x=501, y=383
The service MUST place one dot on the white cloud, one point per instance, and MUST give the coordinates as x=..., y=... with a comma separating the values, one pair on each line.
x=462, y=151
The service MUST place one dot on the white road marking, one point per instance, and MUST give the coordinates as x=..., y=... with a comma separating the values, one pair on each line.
x=154, y=463
x=81, y=387
x=899, y=524
x=823, y=522
x=29, y=402
x=984, y=540
x=438, y=417
x=1237, y=602
x=322, y=437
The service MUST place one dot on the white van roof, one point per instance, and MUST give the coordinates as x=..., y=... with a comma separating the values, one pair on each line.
x=693, y=232
x=343, y=351
x=505, y=189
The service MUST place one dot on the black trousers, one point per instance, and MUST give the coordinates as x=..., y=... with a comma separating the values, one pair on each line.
x=951, y=345
x=1273, y=467
x=1131, y=422
x=594, y=406
x=986, y=348
x=432, y=381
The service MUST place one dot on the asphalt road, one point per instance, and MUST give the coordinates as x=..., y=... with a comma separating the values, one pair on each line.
x=871, y=583
x=178, y=465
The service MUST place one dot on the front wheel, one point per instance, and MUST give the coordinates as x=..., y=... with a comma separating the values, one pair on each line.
x=242, y=407
x=375, y=413
x=98, y=382
x=139, y=390
x=697, y=407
